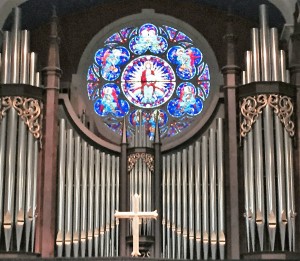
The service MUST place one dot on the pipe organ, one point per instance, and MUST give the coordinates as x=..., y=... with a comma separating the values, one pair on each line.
x=88, y=195
x=267, y=131
x=20, y=138
x=193, y=199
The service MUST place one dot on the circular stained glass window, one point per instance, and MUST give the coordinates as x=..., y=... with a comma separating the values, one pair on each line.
x=146, y=72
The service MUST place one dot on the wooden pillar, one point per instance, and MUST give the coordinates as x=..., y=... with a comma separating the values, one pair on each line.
x=45, y=241
x=294, y=67
x=124, y=197
x=233, y=211
x=157, y=192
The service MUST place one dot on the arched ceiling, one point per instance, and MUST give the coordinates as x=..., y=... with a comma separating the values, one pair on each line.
x=39, y=11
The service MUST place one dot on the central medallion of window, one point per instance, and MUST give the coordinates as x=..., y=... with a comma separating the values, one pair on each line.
x=148, y=81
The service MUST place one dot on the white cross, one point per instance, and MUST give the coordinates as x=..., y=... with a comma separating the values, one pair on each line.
x=135, y=215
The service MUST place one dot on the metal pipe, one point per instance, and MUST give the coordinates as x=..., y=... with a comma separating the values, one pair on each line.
x=246, y=188
x=15, y=54
x=249, y=69
x=69, y=193
x=191, y=199
x=173, y=216
x=108, y=185
x=255, y=54
x=20, y=187
x=179, y=206
x=221, y=201
x=97, y=203
x=274, y=55
x=270, y=173
x=259, y=178
x=2, y=158
x=6, y=58
x=264, y=43
x=24, y=73
x=145, y=196
x=168, y=206
x=34, y=196
x=251, y=214
x=149, y=205
x=205, y=204
x=61, y=183
x=282, y=62
x=280, y=180
x=113, y=207
x=33, y=66
x=163, y=207
x=91, y=199
x=76, y=207
x=117, y=204
x=184, y=202
x=289, y=190
x=213, y=199
x=197, y=200
x=102, y=207
x=83, y=216
x=244, y=77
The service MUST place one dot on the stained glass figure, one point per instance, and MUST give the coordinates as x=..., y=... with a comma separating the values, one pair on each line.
x=146, y=73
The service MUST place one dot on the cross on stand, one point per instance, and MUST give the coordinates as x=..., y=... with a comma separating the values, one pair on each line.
x=135, y=215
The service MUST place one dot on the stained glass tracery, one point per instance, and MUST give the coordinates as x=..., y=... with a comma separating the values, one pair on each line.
x=150, y=70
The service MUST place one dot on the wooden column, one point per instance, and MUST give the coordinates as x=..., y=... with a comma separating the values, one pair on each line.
x=124, y=196
x=233, y=211
x=294, y=67
x=157, y=192
x=46, y=194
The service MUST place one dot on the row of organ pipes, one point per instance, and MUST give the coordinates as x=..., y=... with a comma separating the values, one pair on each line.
x=193, y=199
x=267, y=148
x=19, y=148
x=88, y=195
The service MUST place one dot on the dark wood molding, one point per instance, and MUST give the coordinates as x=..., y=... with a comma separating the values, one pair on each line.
x=256, y=88
x=23, y=90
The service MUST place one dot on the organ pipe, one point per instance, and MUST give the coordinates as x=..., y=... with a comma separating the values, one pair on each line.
x=77, y=178
x=191, y=199
x=179, y=204
x=97, y=203
x=69, y=192
x=91, y=205
x=61, y=187
x=205, y=211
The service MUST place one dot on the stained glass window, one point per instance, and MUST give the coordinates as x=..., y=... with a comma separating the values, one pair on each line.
x=146, y=72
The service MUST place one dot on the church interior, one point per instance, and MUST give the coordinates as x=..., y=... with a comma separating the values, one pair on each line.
x=158, y=129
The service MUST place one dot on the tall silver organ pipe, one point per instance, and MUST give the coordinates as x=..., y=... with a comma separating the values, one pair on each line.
x=18, y=174
x=88, y=192
x=268, y=191
x=196, y=175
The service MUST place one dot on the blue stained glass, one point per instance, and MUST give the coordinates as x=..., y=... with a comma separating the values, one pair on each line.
x=148, y=39
x=114, y=38
x=171, y=31
x=91, y=75
x=148, y=81
x=125, y=32
x=205, y=76
x=109, y=103
x=185, y=44
x=200, y=93
x=110, y=61
x=134, y=32
x=182, y=37
x=205, y=87
x=163, y=32
x=186, y=60
x=187, y=103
